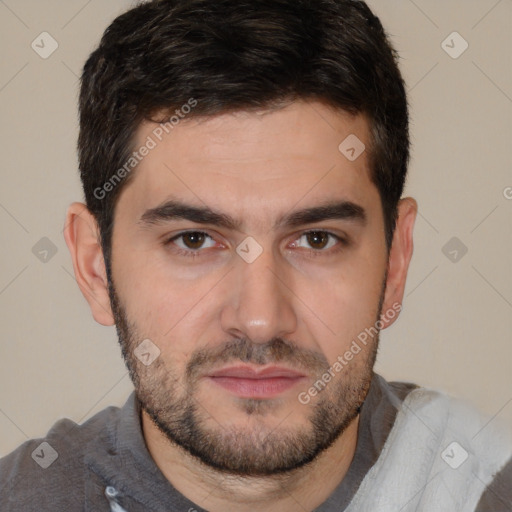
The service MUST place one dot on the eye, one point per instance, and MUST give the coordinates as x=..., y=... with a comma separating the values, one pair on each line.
x=318, y=240
x=191, y=241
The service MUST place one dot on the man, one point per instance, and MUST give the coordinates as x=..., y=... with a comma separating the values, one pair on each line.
x=243, y=165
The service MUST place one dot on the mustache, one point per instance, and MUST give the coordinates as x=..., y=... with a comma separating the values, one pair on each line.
x=244, y=350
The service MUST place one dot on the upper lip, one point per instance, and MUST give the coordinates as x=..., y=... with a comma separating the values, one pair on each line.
x=249, y=372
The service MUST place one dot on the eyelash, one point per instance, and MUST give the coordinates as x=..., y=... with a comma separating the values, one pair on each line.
x=342, y=243
x=182, y=252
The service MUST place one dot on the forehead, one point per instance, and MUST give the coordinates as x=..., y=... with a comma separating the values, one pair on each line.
x=248, y=160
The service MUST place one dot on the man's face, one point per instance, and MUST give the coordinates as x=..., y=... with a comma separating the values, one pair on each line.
x=251, y=306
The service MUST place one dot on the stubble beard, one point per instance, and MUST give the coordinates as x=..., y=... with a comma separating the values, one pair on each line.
x=173, y=406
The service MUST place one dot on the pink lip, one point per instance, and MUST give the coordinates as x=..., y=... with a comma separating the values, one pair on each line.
x=248, y=382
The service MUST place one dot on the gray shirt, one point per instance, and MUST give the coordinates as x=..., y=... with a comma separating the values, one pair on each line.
x=81, y=466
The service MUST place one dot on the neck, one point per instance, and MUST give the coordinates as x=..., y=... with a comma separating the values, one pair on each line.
x=217, y=491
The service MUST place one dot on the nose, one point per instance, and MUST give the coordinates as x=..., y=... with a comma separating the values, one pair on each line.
x=259, y=301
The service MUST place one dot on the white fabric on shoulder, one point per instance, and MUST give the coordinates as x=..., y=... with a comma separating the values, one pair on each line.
x=440, y=455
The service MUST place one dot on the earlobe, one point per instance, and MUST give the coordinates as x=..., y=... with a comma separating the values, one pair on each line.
x=82, y=237
x=399, y=257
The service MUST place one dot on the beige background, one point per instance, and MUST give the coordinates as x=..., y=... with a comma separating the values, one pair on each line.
x=455, y=330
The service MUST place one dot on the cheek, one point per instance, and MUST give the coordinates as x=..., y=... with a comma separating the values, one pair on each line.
x=171, y=312
x=347, y=305
x=143, y=279
x=347, y=315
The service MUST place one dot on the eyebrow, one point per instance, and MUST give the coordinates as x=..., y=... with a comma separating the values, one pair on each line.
x=176, y=210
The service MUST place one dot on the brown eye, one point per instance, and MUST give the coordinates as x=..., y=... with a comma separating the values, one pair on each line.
x=317, y=239
x=193, y=244
x=193, y=239
x=320, y=242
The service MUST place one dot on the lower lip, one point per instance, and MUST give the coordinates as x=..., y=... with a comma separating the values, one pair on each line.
x=257, y=388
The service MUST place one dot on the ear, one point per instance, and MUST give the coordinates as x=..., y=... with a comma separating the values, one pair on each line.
x=83, y=240
x=399, y=258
